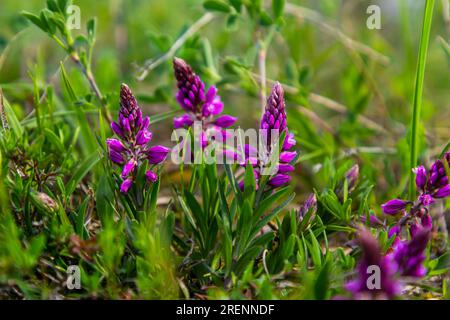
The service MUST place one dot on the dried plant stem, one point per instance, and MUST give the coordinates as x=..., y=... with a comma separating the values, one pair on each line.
x=151, y=64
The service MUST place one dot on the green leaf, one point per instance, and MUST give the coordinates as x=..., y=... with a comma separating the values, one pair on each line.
x=217, y=5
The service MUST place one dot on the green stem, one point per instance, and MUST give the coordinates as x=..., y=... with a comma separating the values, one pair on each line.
x=418, y=90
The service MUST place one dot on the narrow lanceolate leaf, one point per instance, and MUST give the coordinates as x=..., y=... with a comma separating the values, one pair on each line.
x=418, y=91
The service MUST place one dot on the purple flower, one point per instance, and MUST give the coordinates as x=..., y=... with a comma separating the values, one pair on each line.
x=157, y=154
x=352, y=176
x=151, y=176
x=279, y=180
x=131, y=149
x=184, y=121
x=200, y=106
x=191, y=94
x=394, y=206
x=126, y=185
x=310, y=204
x=372, y=256
x=443, y=192
x=287, y=156
x=409, y=255
x=421, y=177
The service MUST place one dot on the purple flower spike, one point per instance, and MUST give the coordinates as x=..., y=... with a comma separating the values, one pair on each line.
x=132, y=149
x=116, y=157
x=394, y=206
x=157, y=154
x=225, y=121
x=126, y=185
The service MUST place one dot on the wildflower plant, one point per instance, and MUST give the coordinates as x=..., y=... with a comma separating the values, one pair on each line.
x=131, y=147
x=90, y=187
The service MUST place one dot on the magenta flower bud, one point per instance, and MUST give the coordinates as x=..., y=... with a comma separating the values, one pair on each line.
x=116, y=157
x=394, y=230
x=352, y=176
x=279, y=180
x=372, y=256
x=225, y=121
x=143, y=137
x=285, y=168
x=128, y=168
x=151, y=176
x=287, y=156
x=274, y=116
x=443, y=192
x=184, y=121
x=126, y=185
x=116, y=128
x=115, y=145
x=394, y=206
x=157, y=154
x=421, y=177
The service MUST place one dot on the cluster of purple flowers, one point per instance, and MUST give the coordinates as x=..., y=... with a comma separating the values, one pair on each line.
x=405, y=257
x=431, y=185
x=199, y=105
x=273, y=120
x=131, y=148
